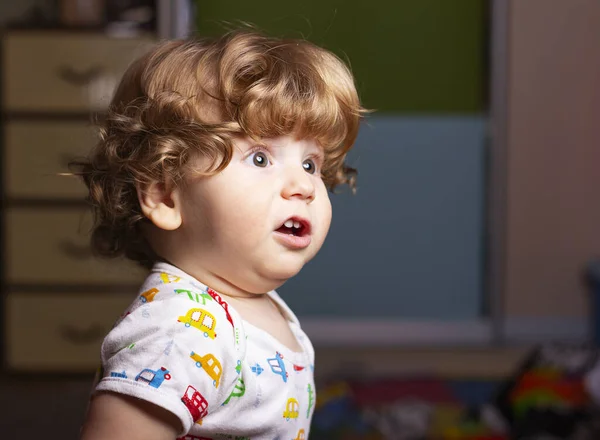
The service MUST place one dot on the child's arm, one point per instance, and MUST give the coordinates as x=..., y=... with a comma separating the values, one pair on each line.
x=120, y=417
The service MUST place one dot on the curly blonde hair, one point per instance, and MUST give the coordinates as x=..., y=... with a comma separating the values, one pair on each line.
x=190, y=97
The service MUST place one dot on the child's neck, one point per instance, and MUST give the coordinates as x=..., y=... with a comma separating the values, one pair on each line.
x=219, y=284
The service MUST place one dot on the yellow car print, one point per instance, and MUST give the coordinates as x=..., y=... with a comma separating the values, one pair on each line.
x=148, y=295
x=291, y=409
x=210, y=364
x=300, y=435
x=201, y=320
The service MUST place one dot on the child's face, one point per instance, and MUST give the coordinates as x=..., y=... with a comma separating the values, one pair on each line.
x=234, y=223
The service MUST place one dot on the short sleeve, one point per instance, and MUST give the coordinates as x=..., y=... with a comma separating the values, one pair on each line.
x=178, y=347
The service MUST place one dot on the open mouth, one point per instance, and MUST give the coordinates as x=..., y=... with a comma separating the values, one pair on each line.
x=296, y=227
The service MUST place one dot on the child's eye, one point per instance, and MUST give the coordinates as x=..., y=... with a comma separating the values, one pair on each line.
x=260, y=159
x=309, y=166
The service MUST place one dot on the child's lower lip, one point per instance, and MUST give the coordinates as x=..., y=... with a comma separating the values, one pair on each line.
x=293, y=241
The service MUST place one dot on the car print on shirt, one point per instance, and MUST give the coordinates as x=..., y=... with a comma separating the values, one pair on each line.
x=210, y=364
x=154, y=378
x=291, y=409
x=277, y=366
x=311, y=399
x=238, y=390
x=148, y=295
x=168, y=278
x=195, y=402
x=195, y=296
x=300, y=435
x=168, y=347
x=201, y=320
x=222, y=303
x=257, y=369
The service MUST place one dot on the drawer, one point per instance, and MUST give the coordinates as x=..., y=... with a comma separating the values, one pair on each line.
x=51, y=246
x=36, y=151
x=64, y=72
x=59, y=332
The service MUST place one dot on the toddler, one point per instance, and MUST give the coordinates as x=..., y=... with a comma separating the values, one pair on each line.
x=213, y=170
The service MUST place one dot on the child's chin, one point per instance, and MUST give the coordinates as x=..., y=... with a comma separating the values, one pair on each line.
x=283, y=271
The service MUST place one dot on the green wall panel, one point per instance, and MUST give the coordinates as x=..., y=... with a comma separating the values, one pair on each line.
x=408, y=56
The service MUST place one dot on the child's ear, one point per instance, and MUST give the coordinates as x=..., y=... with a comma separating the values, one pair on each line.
x=161, y=204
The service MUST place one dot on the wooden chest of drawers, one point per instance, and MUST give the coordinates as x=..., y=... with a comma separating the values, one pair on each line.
x=58, y=300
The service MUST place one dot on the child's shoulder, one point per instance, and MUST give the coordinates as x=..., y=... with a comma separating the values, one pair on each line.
x=174, y=289
x=165, y=280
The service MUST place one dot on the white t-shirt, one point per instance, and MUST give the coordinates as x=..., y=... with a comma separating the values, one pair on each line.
x=181, y=347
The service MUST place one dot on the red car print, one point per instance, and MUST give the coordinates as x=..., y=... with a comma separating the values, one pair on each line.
x=195, y=403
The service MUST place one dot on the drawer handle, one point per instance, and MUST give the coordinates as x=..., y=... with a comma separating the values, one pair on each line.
x=79, y=78
x=74, y=250
x=74, y=335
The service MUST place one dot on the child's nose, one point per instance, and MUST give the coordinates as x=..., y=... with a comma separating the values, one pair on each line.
x=298, y=184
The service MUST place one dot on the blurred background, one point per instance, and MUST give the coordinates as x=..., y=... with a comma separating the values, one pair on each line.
x=455, y=295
